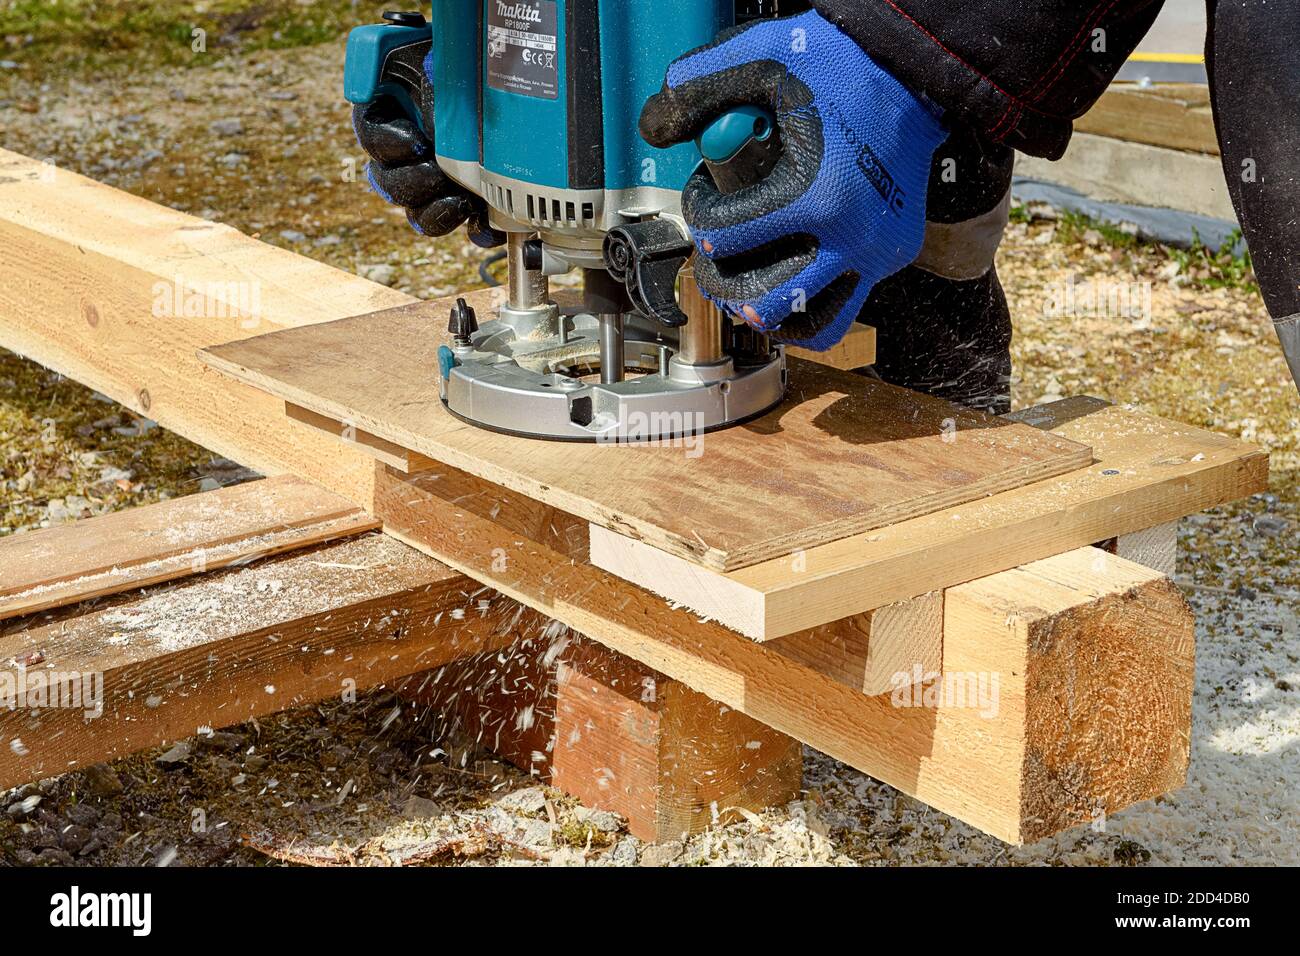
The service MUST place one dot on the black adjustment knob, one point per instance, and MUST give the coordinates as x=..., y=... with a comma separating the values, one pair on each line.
x=646, y=257
x=404, y=19
x=533, y=255
x=463, y=322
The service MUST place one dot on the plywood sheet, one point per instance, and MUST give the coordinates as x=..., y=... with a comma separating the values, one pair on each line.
x=843, y=454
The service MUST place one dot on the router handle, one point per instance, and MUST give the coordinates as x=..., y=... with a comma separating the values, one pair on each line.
x=740, y=147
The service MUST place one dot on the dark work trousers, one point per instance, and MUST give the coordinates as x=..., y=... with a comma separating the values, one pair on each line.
x=1252, y=55
x=942, y=324
x=946, y=331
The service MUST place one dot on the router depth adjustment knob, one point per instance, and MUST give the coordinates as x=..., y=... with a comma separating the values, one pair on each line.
x=646, y=257
x=462, y=324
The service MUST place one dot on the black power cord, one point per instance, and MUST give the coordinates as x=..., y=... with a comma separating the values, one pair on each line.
x=485, y=269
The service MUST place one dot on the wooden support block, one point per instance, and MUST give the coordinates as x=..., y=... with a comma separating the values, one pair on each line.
x=1029, y=765
x=876, y=651
x=228, y=646
x=614, y=733
x=669, y=759
x=172, y=539
x=395, y=456
x=1095, y=695
x=1148, y=471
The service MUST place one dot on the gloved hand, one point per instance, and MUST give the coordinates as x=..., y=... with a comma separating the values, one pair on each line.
x=403, y=170
x=845, y=205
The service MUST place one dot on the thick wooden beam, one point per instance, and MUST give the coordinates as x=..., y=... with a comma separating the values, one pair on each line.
x=218, y=649
x=1019, y=769
x=65, y=564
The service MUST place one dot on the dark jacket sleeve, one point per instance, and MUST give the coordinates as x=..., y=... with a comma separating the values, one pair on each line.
x=1018, y=71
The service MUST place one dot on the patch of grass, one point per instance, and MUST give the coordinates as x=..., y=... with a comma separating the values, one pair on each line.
x=1207, y=268
x=45, y=36
x=1071, y=227
x=1217, y=269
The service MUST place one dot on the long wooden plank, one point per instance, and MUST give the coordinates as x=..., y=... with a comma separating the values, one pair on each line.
x=235, y=644
x=1173, y=115
x=172, y=539
x=1148, y=471
x=844, y=453
x=88, y=287
x=1030, y=768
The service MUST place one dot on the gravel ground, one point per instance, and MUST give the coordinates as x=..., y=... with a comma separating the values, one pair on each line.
x=261, y=141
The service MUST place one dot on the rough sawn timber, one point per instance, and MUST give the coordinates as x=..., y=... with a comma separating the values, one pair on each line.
x=172, y=539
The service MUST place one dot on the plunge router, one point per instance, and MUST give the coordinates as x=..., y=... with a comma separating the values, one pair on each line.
x=537, y=105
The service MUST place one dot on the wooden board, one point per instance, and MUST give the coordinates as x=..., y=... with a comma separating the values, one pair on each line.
x=172, y=539
x=88, y=278
x=843, y=454
x=1172, y=115
x=1020, y=773
x=876, y=651
x=1148, y=471
x=1117, y=170
x=224, y=647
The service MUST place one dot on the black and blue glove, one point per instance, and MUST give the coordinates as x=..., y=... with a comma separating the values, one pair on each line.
x=798, y=253
x=404, y=171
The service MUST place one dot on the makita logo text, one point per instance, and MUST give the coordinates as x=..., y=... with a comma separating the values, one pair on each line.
x=519, y=11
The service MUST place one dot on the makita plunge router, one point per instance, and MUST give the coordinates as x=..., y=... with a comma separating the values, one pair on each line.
x=537, y=105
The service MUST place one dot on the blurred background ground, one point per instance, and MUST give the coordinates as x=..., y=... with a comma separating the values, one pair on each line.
x=244, y=123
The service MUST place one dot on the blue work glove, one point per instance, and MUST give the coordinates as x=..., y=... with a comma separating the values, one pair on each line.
x=843, y=208
x=404, y=172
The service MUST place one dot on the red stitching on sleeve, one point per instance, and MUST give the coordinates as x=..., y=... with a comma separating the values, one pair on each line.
x=939, y=43
x=1074, y=48
x=1016, y=107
